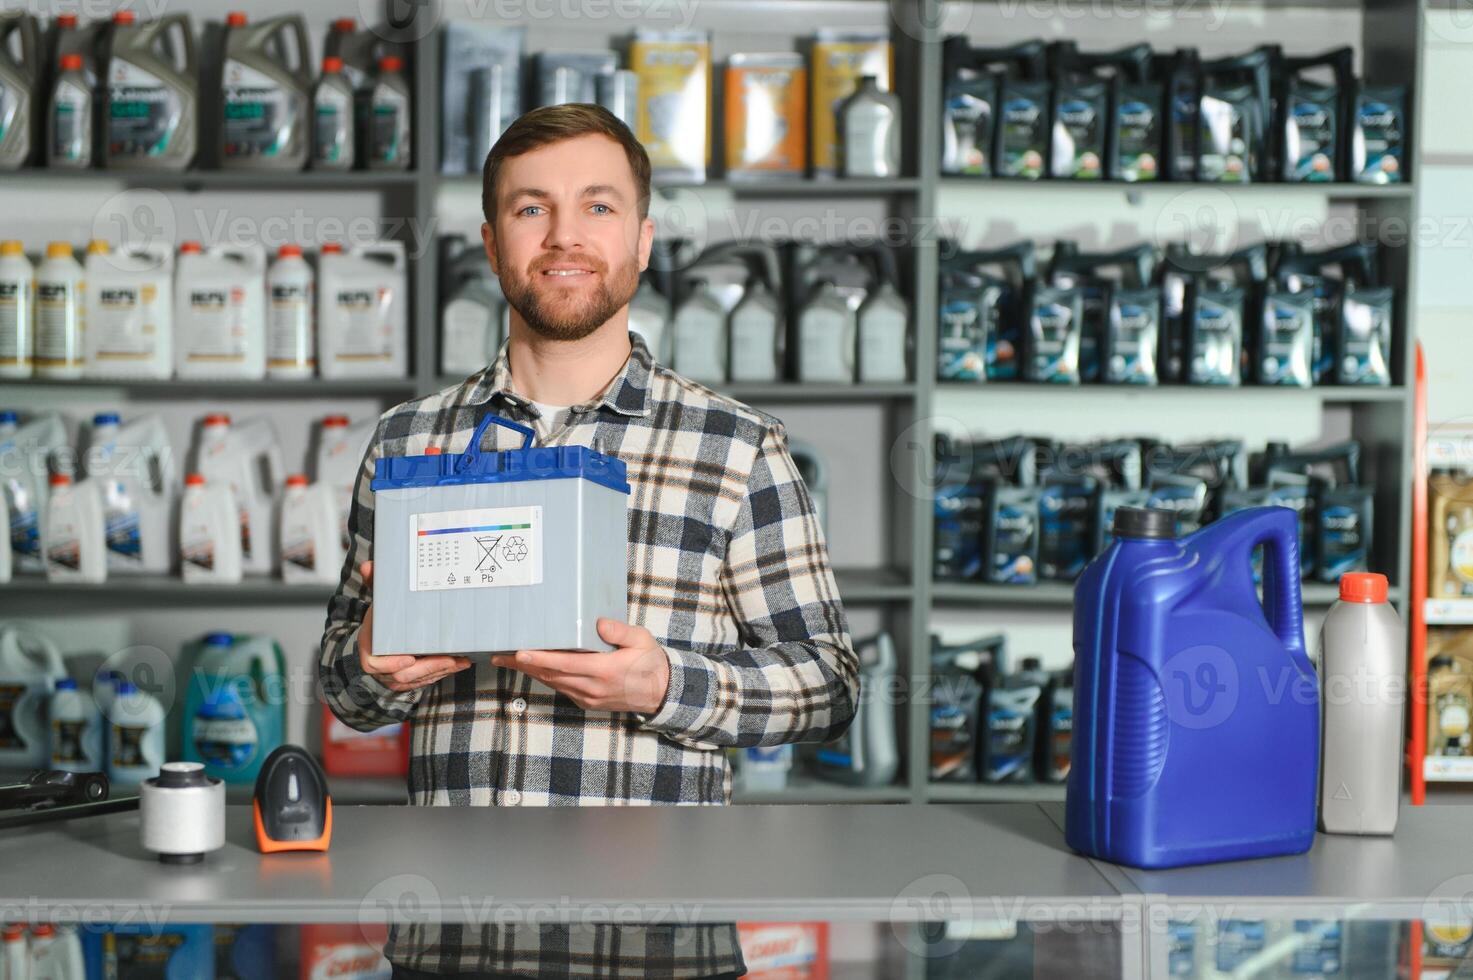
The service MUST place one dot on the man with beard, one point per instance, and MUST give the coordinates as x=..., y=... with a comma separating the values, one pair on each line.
x=735, y=635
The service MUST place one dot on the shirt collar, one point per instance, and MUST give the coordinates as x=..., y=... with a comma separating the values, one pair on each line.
x=627, y=394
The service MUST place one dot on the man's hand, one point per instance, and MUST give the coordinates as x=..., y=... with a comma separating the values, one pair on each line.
x=400, y=672
x=632, y=678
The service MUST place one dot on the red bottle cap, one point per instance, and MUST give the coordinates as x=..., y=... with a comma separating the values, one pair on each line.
x=297, y=480
x=332, y=63
x=334, y=421
x=217, y=418
x=289, y=252
x=345, y=24
x=43, y=929
x=236, y=18
x=194, y=480
x=190, y=248
x=71, y=62
x=66, y=20
x=124, y=17
x=390, y=62
x=1363, y=587
x=331, y=248
x=60, y=480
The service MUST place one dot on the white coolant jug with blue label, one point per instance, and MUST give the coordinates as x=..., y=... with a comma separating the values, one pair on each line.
x=24, y=454
x=247, y=457
x=135, y=735
x=76, y=730
x=484, y=550
x=133, y=466
x=30, y=666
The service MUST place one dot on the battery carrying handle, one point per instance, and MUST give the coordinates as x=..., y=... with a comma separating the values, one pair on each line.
x=473, y=450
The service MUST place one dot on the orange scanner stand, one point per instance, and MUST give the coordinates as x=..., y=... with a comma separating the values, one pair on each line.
x=292, y=809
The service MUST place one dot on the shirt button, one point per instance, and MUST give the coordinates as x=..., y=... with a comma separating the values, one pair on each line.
x=518, y=706
x=511, y=797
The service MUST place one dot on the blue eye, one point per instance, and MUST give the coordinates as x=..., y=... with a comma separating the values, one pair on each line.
x=530, y=207
x=605, y=207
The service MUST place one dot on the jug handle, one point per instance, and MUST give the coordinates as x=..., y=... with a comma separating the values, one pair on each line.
x=473, y=451
x=1279, y=533
x=182, y=19
x=299, y=29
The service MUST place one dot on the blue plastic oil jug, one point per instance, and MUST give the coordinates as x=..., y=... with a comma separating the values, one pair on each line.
x=1196, y=708
x=235, y=705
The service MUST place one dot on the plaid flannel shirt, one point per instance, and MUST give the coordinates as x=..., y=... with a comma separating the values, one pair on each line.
x=727, y=569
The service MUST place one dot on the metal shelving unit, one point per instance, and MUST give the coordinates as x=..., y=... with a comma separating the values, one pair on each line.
x=903, y=590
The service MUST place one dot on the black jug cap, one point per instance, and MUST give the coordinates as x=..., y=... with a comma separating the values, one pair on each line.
x=1144, y=522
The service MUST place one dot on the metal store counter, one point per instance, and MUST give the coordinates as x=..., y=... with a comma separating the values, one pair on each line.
x=871, y=863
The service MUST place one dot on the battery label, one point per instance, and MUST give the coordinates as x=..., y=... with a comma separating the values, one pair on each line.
x=471, y=549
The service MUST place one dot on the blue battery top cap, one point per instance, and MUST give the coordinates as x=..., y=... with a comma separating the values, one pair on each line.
x=506, y=466
x=125, y=687
x=219, y=639
x=106, y=418
x=8, y=417
x=66, y=684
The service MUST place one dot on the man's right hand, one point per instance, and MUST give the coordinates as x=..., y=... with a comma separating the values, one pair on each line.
x=400, y=672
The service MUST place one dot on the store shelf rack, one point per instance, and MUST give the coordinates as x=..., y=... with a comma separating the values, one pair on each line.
x=1390, y=47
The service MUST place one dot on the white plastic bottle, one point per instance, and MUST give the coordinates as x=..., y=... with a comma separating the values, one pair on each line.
x=291, y=340
x=60, y=312
x=15, y=954
x=209, y=532
x=247, y=458
x=75, y=537
x=30, y=666
x=311, y=541
x=76, y=729
x=133, y=466
x=25, y=451
x=341, y=447
x=362, y=318
x=129, y=311
x=220, y=311
x=1363, y=664
x=135, y=743
x=17, y=312
x=56, y=953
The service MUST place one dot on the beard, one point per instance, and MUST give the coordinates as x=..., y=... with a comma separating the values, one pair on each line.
x=556, y=313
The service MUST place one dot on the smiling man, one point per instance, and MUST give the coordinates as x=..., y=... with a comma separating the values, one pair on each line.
x=734, y=636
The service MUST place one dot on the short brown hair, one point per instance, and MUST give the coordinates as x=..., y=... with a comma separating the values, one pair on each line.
x=553, y=124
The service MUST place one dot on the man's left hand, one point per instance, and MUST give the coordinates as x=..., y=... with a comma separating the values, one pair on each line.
x=633, y=677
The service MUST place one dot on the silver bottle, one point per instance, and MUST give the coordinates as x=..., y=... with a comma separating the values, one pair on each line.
x=756, y=322
x=266, y=99
x=700, y=336
x=1363, y=664
x=826, y=336
x=19, y=91
x=649, y=316
x=332, y=118
x=883, y=319
x=151, y=112
x=869, y=131
x=69, y=123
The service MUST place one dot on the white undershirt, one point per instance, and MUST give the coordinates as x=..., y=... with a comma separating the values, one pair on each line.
x=553, y=416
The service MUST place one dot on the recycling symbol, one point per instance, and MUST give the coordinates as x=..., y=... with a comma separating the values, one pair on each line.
x=515, y=548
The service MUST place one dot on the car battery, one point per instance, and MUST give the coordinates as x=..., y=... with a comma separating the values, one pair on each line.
x=485, y=552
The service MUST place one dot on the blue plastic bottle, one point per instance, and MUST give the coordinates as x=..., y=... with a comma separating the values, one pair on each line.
x=1196, y=708
x=235, y=706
